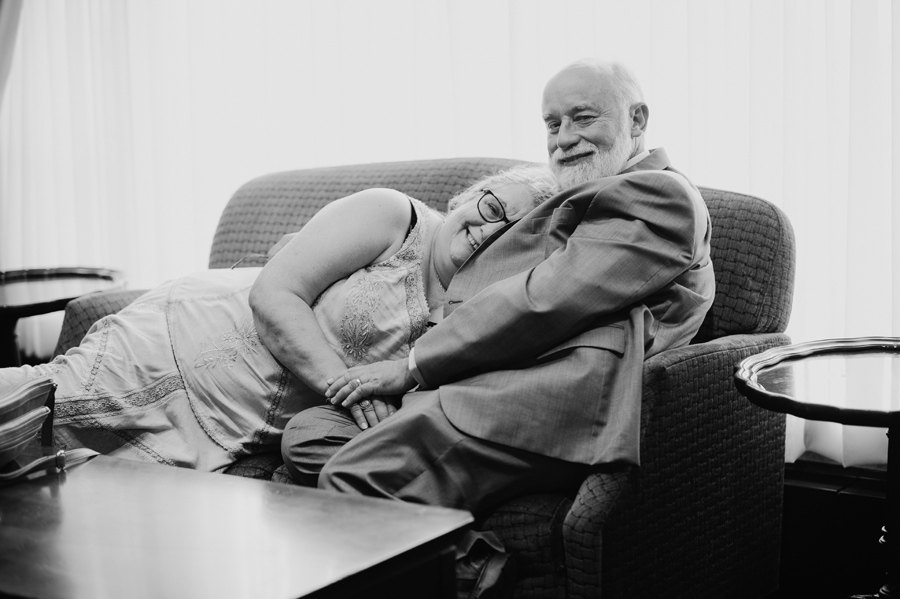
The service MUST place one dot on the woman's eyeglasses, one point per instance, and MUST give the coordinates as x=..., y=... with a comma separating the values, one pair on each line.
x=490, y=208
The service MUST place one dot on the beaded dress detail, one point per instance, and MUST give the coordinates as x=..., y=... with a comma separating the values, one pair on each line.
x=379, y=309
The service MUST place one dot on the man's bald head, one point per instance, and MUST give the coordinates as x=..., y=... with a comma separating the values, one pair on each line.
x=595, y=117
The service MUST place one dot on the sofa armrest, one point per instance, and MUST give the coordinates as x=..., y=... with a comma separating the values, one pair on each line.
x=583, y=527
x=84, y=311
x=707, y=495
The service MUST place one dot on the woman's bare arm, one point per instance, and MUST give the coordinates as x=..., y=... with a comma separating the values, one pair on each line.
x=343, y=237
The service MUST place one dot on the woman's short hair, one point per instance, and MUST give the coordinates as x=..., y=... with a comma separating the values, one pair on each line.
x=537, y=177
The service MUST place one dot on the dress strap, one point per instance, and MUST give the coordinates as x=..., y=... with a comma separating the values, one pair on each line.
x=413, y=217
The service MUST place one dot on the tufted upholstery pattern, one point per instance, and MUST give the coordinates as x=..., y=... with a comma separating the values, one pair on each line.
x=86, y=310
x=266, y=208
x=704, y=510
x=754, y=289
x=701, y=517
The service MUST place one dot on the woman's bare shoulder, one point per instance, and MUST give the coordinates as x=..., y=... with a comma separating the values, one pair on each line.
x=376, y=206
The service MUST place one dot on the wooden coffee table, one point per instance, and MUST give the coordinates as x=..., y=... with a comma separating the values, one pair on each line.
x=119, y=528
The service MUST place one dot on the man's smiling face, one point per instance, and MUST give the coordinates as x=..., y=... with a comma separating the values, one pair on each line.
x=588, y=129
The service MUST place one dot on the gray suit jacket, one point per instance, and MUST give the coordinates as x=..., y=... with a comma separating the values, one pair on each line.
x=549, y=322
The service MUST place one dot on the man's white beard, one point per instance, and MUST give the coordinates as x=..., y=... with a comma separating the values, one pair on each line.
x=602, y=164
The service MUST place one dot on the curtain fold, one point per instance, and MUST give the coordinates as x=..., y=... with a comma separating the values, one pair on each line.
x=127, y=124
x=9, y=25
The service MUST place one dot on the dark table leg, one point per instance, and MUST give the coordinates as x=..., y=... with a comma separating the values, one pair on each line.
x=9, y=349
x=891, y=588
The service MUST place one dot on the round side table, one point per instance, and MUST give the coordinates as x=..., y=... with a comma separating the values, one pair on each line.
x=39, y=291
x=862, y=379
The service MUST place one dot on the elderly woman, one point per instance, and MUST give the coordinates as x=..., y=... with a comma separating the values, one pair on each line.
x=209, y=368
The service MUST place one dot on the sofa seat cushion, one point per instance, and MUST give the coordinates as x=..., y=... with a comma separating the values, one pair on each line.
x=260, y=465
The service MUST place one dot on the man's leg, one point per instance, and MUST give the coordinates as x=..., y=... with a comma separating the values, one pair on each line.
x=416, y=455
x=312, y=437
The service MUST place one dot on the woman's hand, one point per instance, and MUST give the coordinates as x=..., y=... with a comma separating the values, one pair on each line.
x=370, y=412
x=391, y=377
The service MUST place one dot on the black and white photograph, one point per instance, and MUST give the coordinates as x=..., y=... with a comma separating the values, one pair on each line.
x=453, y=299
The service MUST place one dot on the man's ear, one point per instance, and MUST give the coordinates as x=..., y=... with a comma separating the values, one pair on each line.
x=640, y=114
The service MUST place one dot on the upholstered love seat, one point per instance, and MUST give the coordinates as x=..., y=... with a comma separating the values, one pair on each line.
x=701, y=517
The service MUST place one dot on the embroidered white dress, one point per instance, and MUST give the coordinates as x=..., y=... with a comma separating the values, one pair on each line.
x=180, y=376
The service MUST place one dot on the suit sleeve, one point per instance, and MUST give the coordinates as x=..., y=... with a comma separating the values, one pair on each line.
x=635, y=237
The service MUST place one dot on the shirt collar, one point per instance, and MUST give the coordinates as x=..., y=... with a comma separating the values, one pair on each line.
x=634, y=160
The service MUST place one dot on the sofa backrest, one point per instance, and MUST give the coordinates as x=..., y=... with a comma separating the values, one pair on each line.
x=752, y=251
x=752, y=241
x=265, y=208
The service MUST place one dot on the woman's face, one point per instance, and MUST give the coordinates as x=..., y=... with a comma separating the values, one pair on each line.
x=465, y=229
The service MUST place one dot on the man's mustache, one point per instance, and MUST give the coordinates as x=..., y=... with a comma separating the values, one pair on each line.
x=578, y=151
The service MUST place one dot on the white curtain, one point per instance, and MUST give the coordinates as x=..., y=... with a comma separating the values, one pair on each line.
x=9, y=25
x=127, y=124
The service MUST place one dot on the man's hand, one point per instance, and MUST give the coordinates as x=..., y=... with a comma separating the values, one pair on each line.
x=380, y=378
x=370, y=412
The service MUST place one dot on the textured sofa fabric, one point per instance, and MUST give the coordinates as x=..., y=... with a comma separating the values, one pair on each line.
x=701, y=517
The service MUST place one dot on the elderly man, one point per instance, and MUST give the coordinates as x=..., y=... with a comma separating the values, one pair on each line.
x=534, y=373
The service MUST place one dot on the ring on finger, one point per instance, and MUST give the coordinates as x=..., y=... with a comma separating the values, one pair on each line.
x=355, y=383
x=365, y=404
